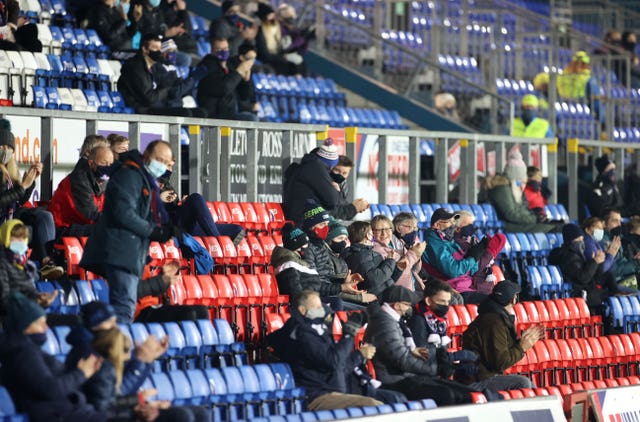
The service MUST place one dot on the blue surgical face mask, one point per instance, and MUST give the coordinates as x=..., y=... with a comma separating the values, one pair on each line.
x=528, y=116
x=222, y=55
x=156, y=168
x=154, y=3
x=19, y=247
x=598, y=234
x=315, y=313
x=126, y=7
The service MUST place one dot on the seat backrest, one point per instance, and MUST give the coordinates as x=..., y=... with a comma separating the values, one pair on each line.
x=192, y=336
x=217, y=384
x=162, y=383
x=181, y=385
x=6, y=403
x=192, y=287
x=253, y=285
x=223, y=285
x=236, y=212
x=85, y=293
x=223, y=329
x=233, y=380
x=213, y=247
x=283, y=376
x=198, y=382
x=265, y=377
x=139, y=332
x=268, y=284
x=238, y=286
x=207, y=286
x=207, y=332
x=176, y=337
x=250, y=379
x=51, y=346
x=228, y=248
x=61, y=332
x=222, y=211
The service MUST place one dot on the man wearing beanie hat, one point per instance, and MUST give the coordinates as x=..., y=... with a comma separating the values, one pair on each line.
x=585, y=273
x=529, y=125
x=493, y=337
x=295, y=274
x=39, y=384
x=604, y=192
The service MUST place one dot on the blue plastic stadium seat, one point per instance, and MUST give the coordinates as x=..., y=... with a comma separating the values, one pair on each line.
x=85, y=293
x=8, y=410
x=182, y=389
x=200, y=390
x=61, y=333
x=100, y=290
x=162, y=383
x=51, y=346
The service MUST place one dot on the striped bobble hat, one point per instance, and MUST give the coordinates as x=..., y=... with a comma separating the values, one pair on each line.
x=328, y=153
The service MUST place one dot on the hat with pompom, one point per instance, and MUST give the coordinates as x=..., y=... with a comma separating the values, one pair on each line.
x=6, y=137
x=515, y=169
x=328, y=153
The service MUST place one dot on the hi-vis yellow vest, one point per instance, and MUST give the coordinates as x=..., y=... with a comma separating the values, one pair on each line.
x=538, y=128
x=572, y=86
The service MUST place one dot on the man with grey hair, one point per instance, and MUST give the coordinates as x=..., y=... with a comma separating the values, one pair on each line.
x=91, y=142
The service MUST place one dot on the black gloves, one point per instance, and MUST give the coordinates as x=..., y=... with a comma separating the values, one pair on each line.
x=353, y=324
x=478, y=249
x=445, y=366
x=161, y=233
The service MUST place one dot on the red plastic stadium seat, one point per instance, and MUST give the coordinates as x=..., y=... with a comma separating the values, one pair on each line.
x=229, y=251
x=274, y=322
x=73, y=254
x=528, y=392
x=208, y=289
x=262, y=216
x=177, y=294
x=623, y=353
x=505, y=394
x=478, y=398
x=581, y=361
x=276, y=215
x=624, y=381
x=223, y=213
x=541, y=392
x=237, y=214
x=566, y=371
x=212, y=211
x=192, y=289
x=268, y=245
x=249, y=215
x=277, y=237
x=516, y=394
x=463, y=314
x=473, y=310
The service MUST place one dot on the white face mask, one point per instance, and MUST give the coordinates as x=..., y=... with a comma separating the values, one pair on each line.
x=5, y=156
x=598, y=234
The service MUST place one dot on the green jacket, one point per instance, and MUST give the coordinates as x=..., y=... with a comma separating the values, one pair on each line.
x=493, y=338
x=516, y=217
x=623, y=266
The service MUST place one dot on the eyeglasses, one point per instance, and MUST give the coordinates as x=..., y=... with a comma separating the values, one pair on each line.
x=384, y=229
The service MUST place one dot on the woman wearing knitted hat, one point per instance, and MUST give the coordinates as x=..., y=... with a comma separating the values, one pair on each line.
x=505, y=192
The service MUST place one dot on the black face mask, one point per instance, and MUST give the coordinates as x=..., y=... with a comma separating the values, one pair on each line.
x=408, y=313
x=38, y=339
x=103, y=171
x=467, y=230
x=578, y=247
x=156, y=56
x=338, y=247
x=534, y=184
x=440, y=310
x=616, y=231
x=167, y=174
x=409, y=239
x=338, y=178
x=449, y=232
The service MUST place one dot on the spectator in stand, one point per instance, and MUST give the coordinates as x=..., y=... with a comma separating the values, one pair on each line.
x=133, y=215
x=111, y=22
x=584, y=272
x=77, y=202
x=269, y=44
x=578, y=83
x=222, y=87
x=465, y=238
x=506, y=195
x=192, y=214
x=529, y=125
x=90, y=143
x=378, y=272
x=493, y=337
x=150, y=89
x=626, y=267
x=294, y=274
x=613, y=37
x=231, y=27
x=38, y=383
x=319, y=363
x=604, y=193
x=345, y=210
x=312, y=179
x=337, y=241
x=593, y=228
x=628, y=43
x=16, y=32
x=398, y=240
x=445, y=259
x=541, y=85
x=17, y=273
x=631, y=246
x=399, y=364
x=247, y=103
x=295, y=40
x=445, y=104
x=535, y=192
x=118, y=143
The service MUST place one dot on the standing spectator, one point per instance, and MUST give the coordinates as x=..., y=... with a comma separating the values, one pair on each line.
x=150, y=89
x=219, y=90
x=38, y=383
x=112, y=24
x=399, y=364
x=578, y=83
x=77, y=202
x=492, y=336
x=399, y=240
x=529, y=125
x=319, y=363
x=541, y=85
x=604, y=193
x=246, y=100
x=231, y=27
x=612, y=37
x=133, y=215
x=339, y=174
x=535, y=192
x=378, y=272
x=313, y=179
x=628, y=43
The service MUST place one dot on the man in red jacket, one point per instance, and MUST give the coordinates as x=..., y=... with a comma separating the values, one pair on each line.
x=78, y=200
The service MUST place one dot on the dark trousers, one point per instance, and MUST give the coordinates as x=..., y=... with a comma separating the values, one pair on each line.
x=443, y=392
x=195, y=218
x=473, y=297
x=173, y=313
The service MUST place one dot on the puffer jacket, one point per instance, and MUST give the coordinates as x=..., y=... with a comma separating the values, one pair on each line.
x=604, y=194
x=318, y=256
x=294, y=275
x=442, y=255
x=492, y=336
x=393, y=360
x=517, y=217
x=410, y=277
x=379, y=273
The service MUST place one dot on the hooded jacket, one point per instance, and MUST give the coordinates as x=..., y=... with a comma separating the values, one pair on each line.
x=604, y=194
x=308, y=180
x=319, y=363
x=379, y=273
x=14, y=276
x=393, y=360
x=447, y=257
x=492, y=336
x=294, y=275
x=516, y=216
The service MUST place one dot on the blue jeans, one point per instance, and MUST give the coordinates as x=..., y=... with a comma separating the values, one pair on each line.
x=196, y=219
x=123, y=293
x=43, y=230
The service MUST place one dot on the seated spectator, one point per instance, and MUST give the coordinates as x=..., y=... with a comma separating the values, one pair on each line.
x=493, y=337
x=112, y=23
x=445, y=104
x=399, y=364
x=319, y=363
x=77, y=202
x=466, y=239
x=39, y=384
x=628, y=43
x=118, y=144
x=398, y=240
x=231, y=27
x=506, y=195
x=577, y=82
x=445, y=260
x=535, y=192
x=625, y=268
x=311, y=180
x=345, y=210
x=17, y=273
x=378, y=273
x=604, y=193
x=192, y=214
x=593, y=229
x=269, y=45
x=529, y=125
x=246, y=100
x=631, y=244
x=16, y=32
x=614, y=38
x=295, y=40
x=337, y=241
x=223, y=86
x=150, y=89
